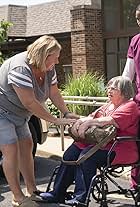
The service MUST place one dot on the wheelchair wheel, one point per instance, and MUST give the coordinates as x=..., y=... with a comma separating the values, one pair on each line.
x=97, y=189
x=69, y=195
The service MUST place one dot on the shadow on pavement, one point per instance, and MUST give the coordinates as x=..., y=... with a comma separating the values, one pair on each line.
x=3, y=188
x=44, y=168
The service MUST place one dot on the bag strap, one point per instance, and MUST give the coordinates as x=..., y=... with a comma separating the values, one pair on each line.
x=89, y=153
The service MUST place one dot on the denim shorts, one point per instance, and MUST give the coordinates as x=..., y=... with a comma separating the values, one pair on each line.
x=12, y=128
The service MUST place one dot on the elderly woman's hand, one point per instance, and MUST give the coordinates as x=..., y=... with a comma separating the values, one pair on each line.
x=77, y=124
x=83, y=127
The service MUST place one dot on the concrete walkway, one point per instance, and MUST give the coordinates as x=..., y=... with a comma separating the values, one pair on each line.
x=53, y=145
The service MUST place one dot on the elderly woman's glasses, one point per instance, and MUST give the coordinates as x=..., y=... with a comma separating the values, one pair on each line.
x=111, y=88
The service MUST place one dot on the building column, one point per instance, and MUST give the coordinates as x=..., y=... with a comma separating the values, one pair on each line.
x=86, y=40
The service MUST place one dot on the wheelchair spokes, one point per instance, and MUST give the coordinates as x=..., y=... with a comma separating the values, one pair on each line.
x=97, y=193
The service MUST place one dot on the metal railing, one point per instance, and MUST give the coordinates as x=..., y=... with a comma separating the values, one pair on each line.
x=80, y=100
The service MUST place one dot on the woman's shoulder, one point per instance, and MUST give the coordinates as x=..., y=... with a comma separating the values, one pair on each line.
x=135, y=39
x=131, y=104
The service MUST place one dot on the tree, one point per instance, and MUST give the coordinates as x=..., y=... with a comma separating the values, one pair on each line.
x=4, y=26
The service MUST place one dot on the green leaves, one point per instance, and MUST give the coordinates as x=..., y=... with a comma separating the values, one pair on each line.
x=53, y=109
x=88, y=84
x=4, y=26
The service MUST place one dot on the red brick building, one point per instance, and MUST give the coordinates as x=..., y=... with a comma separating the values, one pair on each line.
x=94, y=34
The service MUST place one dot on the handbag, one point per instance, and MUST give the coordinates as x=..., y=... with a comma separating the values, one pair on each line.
x=100, y=136
x=96, y=134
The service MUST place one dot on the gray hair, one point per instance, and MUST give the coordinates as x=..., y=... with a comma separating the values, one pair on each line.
x=124, y=84
x=38, y=51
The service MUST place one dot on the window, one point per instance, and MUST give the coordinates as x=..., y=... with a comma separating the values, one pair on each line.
x=128, y=13
x=111, y=15
x=122, y=61
x=67, y=72
x=111, y=45
x=119, y=26
x=119, y=15
x=116, y=53
x=111, y=61
x=123, y=44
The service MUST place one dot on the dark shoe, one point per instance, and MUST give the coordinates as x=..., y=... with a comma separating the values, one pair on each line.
x=74, y=202
x=48, y=197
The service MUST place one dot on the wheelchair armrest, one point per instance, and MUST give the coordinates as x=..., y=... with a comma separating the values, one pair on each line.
x=127, y=138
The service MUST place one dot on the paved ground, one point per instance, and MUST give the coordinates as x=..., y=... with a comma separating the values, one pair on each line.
x=53, y=144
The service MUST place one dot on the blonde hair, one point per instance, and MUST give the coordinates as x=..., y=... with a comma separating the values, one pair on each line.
x=38, y=51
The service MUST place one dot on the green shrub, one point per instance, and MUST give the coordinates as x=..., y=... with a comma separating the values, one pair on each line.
x=53, y=109
x=4, y=26
x=86, y=85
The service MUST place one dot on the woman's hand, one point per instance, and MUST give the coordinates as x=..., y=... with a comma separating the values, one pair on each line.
x=64, y=121
x=72, y=115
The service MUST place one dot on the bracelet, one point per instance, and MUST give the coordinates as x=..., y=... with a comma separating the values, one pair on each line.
x=67, y=112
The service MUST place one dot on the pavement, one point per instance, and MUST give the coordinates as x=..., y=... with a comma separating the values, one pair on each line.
x=53, y=144
x=52, y=148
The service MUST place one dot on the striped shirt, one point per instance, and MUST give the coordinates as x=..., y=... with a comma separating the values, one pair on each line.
x=17, y=71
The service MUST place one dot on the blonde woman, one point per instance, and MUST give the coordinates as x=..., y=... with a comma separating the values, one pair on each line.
x=26, y=81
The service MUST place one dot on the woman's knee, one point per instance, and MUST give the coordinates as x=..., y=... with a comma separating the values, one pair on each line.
x=27, y=141
x=72, y=153
x=9, y=152
x=25, y=145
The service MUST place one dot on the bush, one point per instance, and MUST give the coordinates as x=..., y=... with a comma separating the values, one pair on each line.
x=86, y=85
x=53, y=110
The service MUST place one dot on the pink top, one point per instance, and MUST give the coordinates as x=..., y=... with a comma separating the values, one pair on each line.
x=126, y=116
x=134, y=53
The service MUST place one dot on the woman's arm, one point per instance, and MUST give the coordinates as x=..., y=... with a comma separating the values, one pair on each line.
x=58, y=101
x=101, y=121
x=129, y=69
x=28, y=99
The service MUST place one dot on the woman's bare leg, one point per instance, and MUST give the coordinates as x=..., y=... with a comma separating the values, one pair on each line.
x=11, y=169
x=27, y=164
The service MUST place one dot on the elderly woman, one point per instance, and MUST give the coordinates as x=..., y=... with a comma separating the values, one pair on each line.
x=122, y=112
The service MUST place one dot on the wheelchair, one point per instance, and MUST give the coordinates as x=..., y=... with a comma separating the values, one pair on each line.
x=99, y=188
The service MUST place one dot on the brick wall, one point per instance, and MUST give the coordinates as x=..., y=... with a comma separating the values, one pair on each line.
x=86, y=40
